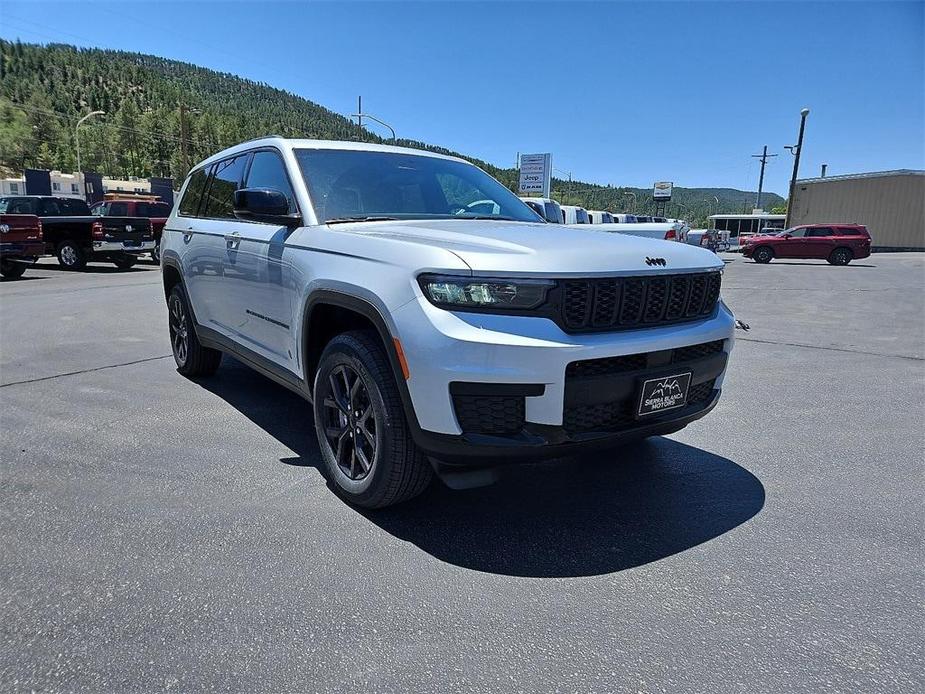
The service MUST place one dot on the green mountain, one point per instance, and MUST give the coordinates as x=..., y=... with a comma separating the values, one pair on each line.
x=44, y=90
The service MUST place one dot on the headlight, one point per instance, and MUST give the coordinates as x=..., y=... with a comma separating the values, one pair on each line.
x=485, y=293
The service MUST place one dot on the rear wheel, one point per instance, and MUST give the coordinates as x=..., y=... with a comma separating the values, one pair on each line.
x=125, y=262
x=12, y=270
x=763, y=254
x=368, y=453
x=191, y=357
x=840, y=256
x=71, y=256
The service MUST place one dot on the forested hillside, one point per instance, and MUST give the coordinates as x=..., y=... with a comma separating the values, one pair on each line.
x=45, y=89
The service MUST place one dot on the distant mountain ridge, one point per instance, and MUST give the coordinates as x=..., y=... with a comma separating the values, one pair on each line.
x=45, y=89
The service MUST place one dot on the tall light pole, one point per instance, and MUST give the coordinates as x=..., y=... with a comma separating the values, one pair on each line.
x=569, y=174
x=360, y=116
x=626, y=192
x=77, y=135
x=796, y=151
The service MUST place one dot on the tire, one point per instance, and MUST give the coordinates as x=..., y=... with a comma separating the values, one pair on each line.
x=193, y=360
x=356, y=399
x=763, y=254
x=71, y=256
x=125, y=263
x=841, y=256
x=12, y=271
x=156, y=253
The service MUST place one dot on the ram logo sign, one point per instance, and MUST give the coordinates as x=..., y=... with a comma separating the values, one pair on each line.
x=662, y=190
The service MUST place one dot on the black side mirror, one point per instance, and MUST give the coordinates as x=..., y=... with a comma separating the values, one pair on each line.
x=264, y=205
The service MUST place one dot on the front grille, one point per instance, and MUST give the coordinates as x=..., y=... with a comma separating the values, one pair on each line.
x=633, y=302
x=489, y=414
x=613, y=416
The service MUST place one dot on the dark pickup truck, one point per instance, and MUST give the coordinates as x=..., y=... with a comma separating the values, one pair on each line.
x=155, y=210
x=20, y=243
x=76, y=237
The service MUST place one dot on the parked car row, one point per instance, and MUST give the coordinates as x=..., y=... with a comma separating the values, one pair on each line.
x=116, y=231
x=617, y=223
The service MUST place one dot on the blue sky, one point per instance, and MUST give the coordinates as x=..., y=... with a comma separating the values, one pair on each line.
x=622, y=93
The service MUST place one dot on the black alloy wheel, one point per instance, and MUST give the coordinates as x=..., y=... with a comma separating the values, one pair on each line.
x=350, y=423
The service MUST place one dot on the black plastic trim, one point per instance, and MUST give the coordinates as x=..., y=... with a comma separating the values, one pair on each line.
x=497, y=389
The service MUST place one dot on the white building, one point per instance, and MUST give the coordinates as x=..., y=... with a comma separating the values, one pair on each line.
x=70, y=185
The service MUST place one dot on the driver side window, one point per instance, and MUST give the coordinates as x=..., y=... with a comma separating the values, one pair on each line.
x=798, y=233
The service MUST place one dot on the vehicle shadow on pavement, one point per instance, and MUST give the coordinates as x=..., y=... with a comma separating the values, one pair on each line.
x=91, y=269
x=585, y=516
x=582, y=516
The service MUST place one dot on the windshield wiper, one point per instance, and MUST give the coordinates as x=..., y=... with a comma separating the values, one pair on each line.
x=360, y=218
x=496, y=217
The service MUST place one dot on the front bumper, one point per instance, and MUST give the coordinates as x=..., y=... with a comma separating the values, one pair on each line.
x=123, y=246
x=444, y=348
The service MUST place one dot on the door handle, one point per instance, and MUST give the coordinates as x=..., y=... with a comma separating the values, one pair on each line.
x=233, y=239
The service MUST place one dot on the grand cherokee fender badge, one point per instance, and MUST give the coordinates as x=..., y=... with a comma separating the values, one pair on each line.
x=656, y=261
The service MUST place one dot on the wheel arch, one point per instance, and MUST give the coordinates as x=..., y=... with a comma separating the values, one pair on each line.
x=327, y=313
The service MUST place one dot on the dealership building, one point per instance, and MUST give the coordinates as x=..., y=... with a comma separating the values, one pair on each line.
x=891, y=204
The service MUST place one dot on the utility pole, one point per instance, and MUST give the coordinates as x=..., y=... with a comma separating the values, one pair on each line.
x=764, y=160
x=184, y=145
x=796, y=150
x=360, y=111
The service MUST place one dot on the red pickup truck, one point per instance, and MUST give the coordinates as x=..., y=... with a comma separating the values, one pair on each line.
x=20, y=243
x=155, y=210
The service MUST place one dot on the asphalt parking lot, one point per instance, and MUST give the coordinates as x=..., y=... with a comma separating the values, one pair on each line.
x=161, y=534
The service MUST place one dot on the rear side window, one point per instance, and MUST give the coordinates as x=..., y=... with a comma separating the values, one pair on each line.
x=18, y=205
x=189, y=205
x=268, y=171
x=152, y=209
x=820, y=231
x=848, y=231
x=226, y=179
x=118, y=209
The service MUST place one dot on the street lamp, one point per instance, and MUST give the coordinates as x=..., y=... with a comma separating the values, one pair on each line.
x=796, y=150
x=626, y=192
x=77, y=135
x=361, y=116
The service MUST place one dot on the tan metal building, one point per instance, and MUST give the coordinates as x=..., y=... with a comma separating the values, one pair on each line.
x=891, y=204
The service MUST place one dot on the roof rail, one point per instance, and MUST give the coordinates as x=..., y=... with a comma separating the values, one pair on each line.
x=261, y=137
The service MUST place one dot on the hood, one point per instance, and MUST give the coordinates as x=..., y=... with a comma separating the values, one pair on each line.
x=518, y=248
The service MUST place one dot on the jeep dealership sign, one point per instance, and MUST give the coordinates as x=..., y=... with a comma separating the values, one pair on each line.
x=662, y=190
x=535, y=174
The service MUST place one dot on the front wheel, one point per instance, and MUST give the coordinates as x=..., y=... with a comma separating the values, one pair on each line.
x=125, y=262
x=71, y=256
x=840, y=256
x=156, y=253
x=762, y=255
x=12, y=270
x=367, y=449
x=191, y=357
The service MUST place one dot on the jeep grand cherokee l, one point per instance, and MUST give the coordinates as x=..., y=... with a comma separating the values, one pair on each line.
x=429, y=334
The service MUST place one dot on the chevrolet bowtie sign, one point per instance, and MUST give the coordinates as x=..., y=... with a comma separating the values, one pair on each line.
x=535, y=174
x=662, y=190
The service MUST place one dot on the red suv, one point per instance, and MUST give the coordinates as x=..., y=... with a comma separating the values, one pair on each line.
x=837, y=243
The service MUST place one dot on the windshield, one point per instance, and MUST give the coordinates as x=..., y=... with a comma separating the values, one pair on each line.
x=354, y=185
x=581, y=216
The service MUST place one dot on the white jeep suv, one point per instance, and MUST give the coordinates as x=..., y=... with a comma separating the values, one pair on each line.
x=432, y=331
